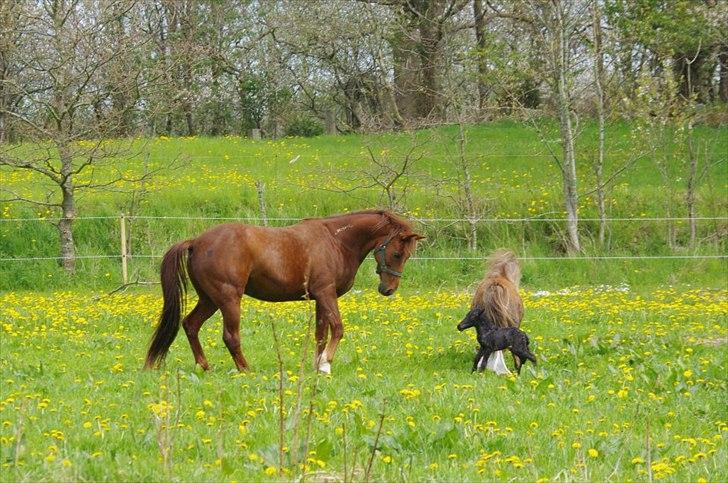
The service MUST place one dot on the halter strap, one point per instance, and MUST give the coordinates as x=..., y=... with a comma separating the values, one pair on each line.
x=382, y=262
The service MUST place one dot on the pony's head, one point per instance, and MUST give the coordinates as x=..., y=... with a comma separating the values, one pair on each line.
x=471, y=319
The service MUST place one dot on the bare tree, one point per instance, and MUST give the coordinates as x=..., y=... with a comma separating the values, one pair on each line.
x=11, y=71
x=600, y=101
x=557, y=25
x=479, y=24
x=67, y=108
x=471, y=212
x=559, y=20
x=417, y=43
x=388, y=173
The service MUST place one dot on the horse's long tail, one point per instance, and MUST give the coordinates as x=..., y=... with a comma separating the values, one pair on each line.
x=174, y=289
x=498, y=304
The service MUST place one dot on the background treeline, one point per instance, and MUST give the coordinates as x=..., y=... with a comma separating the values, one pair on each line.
x=110, y=68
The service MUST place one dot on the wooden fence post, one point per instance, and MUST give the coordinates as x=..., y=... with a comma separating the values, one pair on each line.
x=260, y=188
x=124, y=261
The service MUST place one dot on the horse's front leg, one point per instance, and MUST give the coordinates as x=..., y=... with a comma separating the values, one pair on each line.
x=322, y=335
x=327, y=316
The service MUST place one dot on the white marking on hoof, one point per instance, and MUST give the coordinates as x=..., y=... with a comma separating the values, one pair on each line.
x=324, y=367
x=480, y=363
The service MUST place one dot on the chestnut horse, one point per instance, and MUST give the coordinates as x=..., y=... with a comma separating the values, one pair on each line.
x=317, y=258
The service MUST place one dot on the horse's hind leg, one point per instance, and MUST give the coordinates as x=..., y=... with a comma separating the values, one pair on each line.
x=231, y=331
x=192, y=323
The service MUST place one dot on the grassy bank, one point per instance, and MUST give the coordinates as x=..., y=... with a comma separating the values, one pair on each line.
x=513, y=174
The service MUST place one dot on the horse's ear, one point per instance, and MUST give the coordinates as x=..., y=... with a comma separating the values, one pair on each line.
x=412, y=236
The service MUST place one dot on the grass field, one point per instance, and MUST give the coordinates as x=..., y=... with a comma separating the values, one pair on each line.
x=513, y=177
x=627, y=383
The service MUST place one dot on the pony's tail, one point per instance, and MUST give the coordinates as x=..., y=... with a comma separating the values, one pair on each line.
x=497, y=306
x=174, y=289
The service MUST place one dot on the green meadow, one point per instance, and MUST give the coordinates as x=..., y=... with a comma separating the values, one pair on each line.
x=203, y=181
x=627, y=387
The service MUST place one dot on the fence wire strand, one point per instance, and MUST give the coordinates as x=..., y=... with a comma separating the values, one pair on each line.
x=605, y=257
x=422, y=220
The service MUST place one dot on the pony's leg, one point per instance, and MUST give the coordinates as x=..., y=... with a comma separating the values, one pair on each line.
x=192, y=323
x=484, y=356
x=328, y=309
x=517, y=363
x=231, y=331
x=478, y=356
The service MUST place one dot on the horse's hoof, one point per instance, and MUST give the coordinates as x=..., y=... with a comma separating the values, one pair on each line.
x=324, y=367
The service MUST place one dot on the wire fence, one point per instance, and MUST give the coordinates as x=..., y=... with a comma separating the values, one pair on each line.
x=564, y=258
x=413, y=218
x=124, y=257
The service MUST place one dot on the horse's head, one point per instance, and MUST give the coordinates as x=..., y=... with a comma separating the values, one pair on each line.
x=391, y=256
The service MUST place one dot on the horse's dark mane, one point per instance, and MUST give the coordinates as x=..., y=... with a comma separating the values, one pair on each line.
x=388, y=218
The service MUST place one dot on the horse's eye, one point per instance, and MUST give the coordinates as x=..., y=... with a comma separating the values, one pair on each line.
x=397, y=255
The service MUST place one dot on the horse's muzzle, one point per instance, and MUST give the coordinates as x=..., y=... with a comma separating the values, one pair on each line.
x=386, y=291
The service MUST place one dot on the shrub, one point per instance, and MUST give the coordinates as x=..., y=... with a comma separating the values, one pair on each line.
x=304, y=127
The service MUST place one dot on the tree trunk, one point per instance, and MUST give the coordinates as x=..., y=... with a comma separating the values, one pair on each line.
x=122, y=97
x=688, y=69
x=65, y=231
x=723, y=75
x=598, y=82
x=68, y=212
x=468, y=192
x=569, y=177
x=567, y=136
x=406, y=67
x=218, y=120
x=4, y=98
x=188, y=118
x=692, y=186
x=428, y=102
x=330, y=118
x=187, y=24
x=479, y=27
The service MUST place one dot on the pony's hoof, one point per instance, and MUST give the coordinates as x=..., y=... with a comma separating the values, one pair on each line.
x=324, y=367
